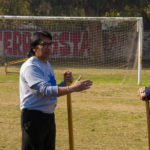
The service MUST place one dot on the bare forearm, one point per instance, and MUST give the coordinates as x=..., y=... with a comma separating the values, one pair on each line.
x=77, y=87
x=65, y=90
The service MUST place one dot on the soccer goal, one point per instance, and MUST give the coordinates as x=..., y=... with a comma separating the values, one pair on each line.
x=105, y=44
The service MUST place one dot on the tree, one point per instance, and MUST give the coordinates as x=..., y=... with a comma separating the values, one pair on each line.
x=14, y=7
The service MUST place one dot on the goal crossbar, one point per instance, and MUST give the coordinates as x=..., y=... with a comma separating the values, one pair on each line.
x=70, y=18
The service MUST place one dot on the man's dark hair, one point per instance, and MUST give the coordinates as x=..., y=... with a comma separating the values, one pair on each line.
x=36, y=39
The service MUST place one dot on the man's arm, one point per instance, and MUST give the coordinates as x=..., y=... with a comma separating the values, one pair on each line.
x=76, y=87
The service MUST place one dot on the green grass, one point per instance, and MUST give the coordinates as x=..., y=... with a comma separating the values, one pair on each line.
x=113, y=76
x=9, y=78
x=109, y=116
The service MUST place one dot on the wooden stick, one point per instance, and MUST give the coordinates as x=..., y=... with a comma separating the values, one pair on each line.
x=148, y=121
x=70, y=122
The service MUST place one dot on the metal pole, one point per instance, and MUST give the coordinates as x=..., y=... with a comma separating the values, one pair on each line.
x=140, y=43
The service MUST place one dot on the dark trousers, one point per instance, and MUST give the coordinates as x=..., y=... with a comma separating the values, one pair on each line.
x=38, y=130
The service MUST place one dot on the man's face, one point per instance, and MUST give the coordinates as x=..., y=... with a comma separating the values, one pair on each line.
x=44, y=49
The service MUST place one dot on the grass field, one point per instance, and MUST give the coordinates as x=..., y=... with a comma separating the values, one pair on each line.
x=109, y=116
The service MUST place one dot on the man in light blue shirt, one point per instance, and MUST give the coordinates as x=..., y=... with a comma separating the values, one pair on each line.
x=39, y=92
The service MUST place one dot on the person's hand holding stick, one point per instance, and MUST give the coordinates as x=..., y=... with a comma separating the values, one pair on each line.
x=144, y=94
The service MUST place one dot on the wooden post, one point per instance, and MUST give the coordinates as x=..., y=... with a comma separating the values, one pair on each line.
x=148, y=121
x=70, y=122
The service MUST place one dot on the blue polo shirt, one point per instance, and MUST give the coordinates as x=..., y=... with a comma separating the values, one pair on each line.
x=147, y=91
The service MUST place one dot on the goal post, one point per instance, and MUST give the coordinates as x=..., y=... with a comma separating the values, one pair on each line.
x=140, y=46
x=79, y=42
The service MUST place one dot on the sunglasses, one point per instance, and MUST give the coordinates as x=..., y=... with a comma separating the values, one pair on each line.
x=46, y=44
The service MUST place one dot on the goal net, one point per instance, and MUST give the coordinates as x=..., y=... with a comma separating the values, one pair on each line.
x=80, y=43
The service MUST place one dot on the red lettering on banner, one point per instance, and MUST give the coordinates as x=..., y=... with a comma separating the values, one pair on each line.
x=55, y=44
x=7, y=37
x=63, y=38
x=16, y=43
x=75, y=38
x=85, y=44
x=26, y=42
